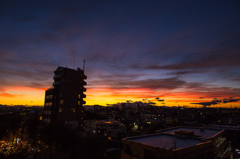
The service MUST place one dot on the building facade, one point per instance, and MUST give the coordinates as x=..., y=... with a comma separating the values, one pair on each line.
x=178, y=142
x=64, y=100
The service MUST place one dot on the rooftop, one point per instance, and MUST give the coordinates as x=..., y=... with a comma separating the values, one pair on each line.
x=205, y=133
x=176, y=138
x=165, y=141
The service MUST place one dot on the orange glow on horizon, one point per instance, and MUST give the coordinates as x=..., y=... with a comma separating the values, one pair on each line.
x=104, y=96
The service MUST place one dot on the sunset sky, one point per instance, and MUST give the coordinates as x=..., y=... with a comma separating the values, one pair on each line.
x=182, y=52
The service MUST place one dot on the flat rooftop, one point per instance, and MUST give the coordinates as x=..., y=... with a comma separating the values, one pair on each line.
x=206, y=133
x=165, y=141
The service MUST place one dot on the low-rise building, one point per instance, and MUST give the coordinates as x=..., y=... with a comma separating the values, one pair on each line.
x=178, y=142
x=109, y=128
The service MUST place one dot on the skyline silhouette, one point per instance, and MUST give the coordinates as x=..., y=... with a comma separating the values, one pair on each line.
x=184, y=53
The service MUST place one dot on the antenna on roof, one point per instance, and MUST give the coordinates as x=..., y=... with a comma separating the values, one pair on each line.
x=83, y=65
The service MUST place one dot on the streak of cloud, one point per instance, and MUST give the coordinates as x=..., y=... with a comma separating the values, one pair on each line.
x=215, y=101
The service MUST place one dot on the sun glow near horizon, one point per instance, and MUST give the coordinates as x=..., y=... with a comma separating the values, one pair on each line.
x=101, y=96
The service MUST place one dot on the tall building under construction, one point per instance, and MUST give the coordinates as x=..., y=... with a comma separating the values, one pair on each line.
x=64, y=100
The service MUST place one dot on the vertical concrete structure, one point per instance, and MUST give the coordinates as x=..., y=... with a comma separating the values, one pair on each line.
x=64, y=100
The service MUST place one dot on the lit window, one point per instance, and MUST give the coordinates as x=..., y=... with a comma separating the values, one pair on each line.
x=73, y=110
x=40, y=118
x=60, y=109
x=79, y=96
x=62, y=101
x=79, y=103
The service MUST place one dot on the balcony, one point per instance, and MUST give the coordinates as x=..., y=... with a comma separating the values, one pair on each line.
x=83, y=83
x=56, y=83
x=83, y=102
x=83, y=89
x=50, y=88
x=83, y=76
x=57, y=76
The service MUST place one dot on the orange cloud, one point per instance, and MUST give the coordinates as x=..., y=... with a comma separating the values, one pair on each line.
x=9, y=95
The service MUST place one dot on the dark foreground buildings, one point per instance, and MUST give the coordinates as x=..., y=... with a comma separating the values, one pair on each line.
x=180, y=143
x=64, y=100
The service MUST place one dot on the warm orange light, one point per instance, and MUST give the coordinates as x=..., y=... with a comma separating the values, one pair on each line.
x=104, y=95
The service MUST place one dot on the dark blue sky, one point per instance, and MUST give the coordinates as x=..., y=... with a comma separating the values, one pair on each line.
x=168, y=48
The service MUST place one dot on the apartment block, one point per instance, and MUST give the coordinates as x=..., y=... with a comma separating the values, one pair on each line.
x=65, y=99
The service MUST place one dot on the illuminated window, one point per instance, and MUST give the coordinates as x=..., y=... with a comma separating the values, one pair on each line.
x=61, y=101
x=40, y=118
x=48, y=104
x=60, y=109
x=49, y=97
x=73, y=110
x=99, y=131
x=79, y=103
x=79, y=96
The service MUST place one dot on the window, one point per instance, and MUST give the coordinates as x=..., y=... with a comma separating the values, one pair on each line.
x=60, y=110
x=61, y=101
x=79, y=103
x=48, y=104
x=79, y=96
x=49, y=96
x=73, y=110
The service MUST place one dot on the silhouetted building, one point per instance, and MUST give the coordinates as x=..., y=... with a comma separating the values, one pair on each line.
x=178, y=142
x=64, y=100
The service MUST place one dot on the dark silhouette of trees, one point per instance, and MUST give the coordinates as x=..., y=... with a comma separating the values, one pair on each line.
x=9, y=124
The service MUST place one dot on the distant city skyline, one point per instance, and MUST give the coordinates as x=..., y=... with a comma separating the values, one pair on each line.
x=172, y=53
